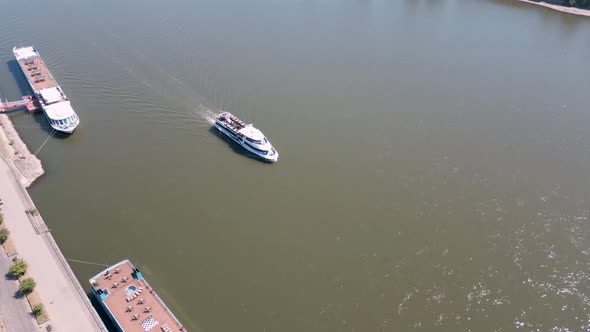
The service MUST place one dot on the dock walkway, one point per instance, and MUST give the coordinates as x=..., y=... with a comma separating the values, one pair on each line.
x=67, y=304
x=28, y=102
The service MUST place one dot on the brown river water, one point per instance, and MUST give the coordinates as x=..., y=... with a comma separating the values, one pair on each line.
x=434, y=171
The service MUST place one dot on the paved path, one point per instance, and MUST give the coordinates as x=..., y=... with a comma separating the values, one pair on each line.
x=15, y=314
x=67, y=305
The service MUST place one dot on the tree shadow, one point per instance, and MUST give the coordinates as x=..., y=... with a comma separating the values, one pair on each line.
x=19, y=295
x=10, y=276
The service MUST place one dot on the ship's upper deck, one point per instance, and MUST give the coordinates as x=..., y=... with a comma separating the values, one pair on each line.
x=34, y=68
x=132, y=302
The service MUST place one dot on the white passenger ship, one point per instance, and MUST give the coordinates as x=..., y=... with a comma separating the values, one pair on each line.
x=247, y=136
x=52, y=99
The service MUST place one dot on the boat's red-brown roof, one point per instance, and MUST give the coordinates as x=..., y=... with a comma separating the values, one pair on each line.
x=37, y=73
x=145, y=310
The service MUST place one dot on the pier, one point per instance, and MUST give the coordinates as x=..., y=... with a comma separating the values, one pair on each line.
x=28, y=102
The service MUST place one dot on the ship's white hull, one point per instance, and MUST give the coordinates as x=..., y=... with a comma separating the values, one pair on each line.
x=68, y=130
x=71, y=126
x=65, y=131
x=235, y=138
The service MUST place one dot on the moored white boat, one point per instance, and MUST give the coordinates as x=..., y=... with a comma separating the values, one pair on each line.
x=53, y=101
x=246, y=135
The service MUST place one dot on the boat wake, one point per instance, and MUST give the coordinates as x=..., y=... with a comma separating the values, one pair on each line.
x=206, y=114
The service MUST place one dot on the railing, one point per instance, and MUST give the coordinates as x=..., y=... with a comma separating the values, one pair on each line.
x=28, y=101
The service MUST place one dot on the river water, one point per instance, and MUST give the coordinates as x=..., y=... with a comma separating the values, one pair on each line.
x=434, y=171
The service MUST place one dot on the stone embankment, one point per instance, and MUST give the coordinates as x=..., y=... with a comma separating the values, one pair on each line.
x=27, y=165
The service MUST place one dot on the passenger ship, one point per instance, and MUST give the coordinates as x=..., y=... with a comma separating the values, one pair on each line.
x=247, y=136
x=130, y=302
x=53, y=100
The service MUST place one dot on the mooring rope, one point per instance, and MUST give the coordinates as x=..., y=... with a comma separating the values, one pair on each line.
x=85, y=262
x=47, y=139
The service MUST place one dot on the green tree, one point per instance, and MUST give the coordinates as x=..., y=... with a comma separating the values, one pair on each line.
x=1, y=218
x=38, y=309
x=3, y=235
x=27, y=285
x=18, y=268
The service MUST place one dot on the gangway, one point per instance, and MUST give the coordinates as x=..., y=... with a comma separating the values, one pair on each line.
x=28, y=102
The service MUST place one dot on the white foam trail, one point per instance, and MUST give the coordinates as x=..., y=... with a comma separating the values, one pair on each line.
x=206, y=113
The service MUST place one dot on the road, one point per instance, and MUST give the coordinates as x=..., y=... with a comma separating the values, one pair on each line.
x=15, y=313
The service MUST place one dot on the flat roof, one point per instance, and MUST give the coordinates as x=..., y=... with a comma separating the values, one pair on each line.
x=35, y=70
x=252, y=133
x=59, y=111
x=132, y=302
x=24, y=52
x=51, y=94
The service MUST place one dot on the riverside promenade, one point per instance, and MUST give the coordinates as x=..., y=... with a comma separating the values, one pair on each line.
x=65, y=301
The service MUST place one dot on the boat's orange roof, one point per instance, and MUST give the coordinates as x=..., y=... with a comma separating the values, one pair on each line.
x=37, y=73
x=145, y=311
